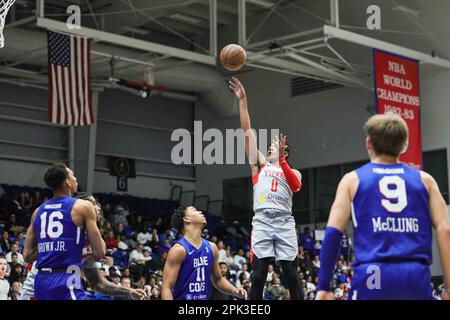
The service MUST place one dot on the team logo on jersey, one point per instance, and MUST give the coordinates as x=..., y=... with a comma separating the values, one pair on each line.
x=262, y=198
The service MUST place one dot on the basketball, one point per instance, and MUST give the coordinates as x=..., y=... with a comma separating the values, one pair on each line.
x=233, y=57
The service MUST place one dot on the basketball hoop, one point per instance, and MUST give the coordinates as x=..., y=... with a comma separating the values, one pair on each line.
x=4, y=7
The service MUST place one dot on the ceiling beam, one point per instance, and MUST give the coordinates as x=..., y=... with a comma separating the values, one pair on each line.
x=128, y=42
x=332, y=32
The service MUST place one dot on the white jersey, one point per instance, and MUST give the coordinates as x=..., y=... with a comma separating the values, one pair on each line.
x=28, y=285
x=271, y=190
x=4, y=289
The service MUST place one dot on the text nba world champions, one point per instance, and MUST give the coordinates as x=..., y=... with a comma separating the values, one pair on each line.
x=225, y=310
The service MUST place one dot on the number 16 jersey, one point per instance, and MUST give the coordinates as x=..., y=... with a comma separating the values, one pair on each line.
x=60, y=241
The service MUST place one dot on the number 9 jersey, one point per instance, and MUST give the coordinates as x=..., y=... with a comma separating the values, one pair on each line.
x=391, y=217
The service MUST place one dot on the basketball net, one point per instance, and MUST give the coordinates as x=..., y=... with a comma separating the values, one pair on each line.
x=4, y=7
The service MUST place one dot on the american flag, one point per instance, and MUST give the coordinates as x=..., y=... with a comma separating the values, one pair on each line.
x=69, y=80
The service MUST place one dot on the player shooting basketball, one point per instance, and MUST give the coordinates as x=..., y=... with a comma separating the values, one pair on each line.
x=274, y=182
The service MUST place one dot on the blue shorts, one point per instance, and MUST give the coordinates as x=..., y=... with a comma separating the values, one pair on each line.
x=391, y=281
x=58, y=286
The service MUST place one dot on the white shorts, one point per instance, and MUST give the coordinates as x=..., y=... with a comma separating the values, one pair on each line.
x=274, y=235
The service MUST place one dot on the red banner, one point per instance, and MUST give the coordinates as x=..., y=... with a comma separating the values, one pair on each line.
x=397, y=91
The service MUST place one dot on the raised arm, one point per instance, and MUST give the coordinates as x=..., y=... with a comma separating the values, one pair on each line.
x=171, y=269
x=30, y=250
x=441, y=223
x=255, y=157
x=337, y=221
x=221, y=283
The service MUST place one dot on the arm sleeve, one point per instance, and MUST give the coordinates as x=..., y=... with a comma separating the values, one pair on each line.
x=328, y=257
x=291, y=178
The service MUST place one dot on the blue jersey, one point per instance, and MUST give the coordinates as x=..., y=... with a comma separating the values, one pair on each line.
x=60, y=244
x=194, y=277
x=60, y=241
x=391, y=215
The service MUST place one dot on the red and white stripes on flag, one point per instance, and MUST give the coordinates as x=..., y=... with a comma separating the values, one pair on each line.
x=69, y=80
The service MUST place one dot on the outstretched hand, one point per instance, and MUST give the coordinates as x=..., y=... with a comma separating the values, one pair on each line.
x=236, y=86
x=281, y=144
x=138, y=294
x=240, y=294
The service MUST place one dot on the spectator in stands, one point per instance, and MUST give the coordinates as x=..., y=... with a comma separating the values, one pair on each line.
x=125, y=282
x=311, y=295
x=120, y=216
x=222, y=252
x=126, y=273
x=144, y=236
x=4, y=242
x=214, y=239
x=165, y=247
x=307, y=240
x=270, y=273
x=140, y=284
x=25, y=201
x=317, y=247
x=21, y=240
x=307, y=263
x=229, y=259
x=154, y=240
x=346, y=243
x=221, y=231
x=15, y=292
x=205, y=234
x=15, y=273
x=126, y=244
x=244, y=269
x=276, y=290
x=155, y=293
x=36, y=201
x=158, y=262
x=240, y=281
x=15, y=249
x=115, y=278
x=239, y=258
x=309, y=284
x=147, y=257
x=137, y=261
x=13, y=226
x=160, y=225
x=14, y=260
x=138, y=224
x=316, y=263
x=120, y=230
x=111, y=241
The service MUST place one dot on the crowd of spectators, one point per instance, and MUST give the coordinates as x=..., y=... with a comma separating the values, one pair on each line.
x=138, y=248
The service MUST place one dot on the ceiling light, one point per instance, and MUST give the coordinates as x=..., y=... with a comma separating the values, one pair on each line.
x=408, y=10
x=185, y=18
x=261, y=3
x=142, y=32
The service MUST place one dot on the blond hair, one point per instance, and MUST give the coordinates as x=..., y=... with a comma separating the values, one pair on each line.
x=388, y=133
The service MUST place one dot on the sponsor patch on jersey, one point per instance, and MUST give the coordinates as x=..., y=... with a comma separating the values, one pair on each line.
x=262, y=198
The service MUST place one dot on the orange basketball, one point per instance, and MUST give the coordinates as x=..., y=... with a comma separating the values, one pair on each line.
x=233, y=57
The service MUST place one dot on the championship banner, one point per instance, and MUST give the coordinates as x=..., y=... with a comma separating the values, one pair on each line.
x=397, y=91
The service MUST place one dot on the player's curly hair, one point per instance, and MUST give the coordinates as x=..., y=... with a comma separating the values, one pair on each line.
x=177, y=221
x=55, y=176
